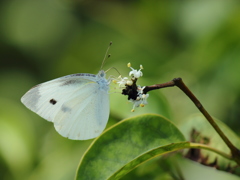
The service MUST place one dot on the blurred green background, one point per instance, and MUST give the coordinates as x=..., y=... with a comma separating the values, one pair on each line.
x=41, y=40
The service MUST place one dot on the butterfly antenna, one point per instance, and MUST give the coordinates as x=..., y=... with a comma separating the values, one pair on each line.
x=113, y=68
x=106, y=55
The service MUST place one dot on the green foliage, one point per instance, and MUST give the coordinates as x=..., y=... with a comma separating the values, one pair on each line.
x=41, y=40
x=192, y=170
x=128, y=144
x=205, y=132
x=133, y=141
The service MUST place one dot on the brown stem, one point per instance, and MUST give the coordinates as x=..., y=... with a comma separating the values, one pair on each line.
x=158, y=86
x=179, y=83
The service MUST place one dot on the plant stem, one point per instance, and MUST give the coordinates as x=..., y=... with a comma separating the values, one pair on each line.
x=203, y=146
x=179, y=83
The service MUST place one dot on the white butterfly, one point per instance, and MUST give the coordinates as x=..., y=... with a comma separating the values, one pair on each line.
x=77, y=104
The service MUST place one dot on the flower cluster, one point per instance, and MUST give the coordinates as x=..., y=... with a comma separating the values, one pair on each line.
x=141, y=99
x=134, y=92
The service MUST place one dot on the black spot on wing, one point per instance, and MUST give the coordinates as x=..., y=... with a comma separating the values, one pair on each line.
x=53, y=101
x=65, y=83
x=80, y=74
x=85, y=74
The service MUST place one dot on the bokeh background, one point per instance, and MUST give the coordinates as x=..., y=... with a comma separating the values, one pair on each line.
x=41, y=40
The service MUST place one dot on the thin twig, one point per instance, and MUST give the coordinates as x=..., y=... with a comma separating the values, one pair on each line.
x=179, y=83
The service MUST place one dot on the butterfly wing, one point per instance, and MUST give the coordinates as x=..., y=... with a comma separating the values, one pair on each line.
x=84, y=117
x=75, y=104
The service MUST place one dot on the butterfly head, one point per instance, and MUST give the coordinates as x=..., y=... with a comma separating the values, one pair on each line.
x=101, y=74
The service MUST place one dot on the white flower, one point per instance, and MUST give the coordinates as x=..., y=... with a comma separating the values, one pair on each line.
x=129, y=82
x=123, y=81
x=135, y=73
x=135, y=93
x=141, y=99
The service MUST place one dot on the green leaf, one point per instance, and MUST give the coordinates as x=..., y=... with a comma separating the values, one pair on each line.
x=202, y=126
x=195, y=171
x=127, y=144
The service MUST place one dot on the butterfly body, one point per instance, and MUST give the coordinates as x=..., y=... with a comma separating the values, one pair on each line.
x=77, y=104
